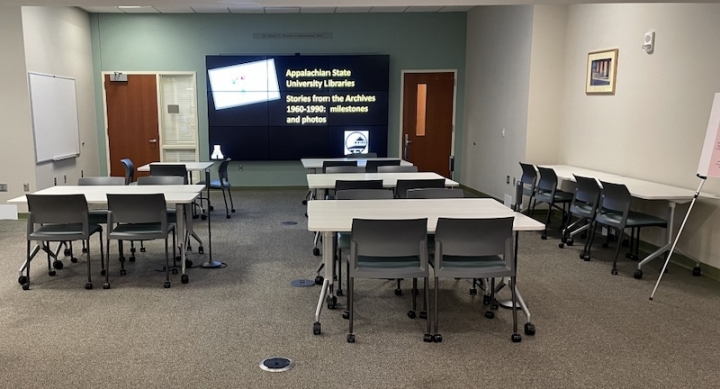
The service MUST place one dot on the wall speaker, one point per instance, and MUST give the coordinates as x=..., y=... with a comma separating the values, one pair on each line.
x=649, y=42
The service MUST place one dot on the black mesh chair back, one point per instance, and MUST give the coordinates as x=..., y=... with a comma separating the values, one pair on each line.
x=169, y=170
x=616, y=198
x=403, y=186
x=364, y=194
x=397, y=169
x=361, y=156
x=358, y=184
x=371, y=166
x=327, y=164
x=129, y=170
x=435, y=193
x=344, y=169
x=137, y=208
x=57, y=209
x=88, y=181
x=587, y=190
x=161, y=180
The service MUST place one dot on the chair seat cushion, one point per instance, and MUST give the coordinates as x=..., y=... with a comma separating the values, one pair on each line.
x=216, y=184
x=138, y=229
x=638, y=219
x=560, y=197
x=463, y=262
x=582, y=209
x=365, y=262
x=50, y=231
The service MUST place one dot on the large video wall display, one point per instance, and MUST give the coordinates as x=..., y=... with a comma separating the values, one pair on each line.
x=289, y=107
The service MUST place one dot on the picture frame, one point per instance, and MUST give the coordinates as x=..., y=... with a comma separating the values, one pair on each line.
x=601, y=72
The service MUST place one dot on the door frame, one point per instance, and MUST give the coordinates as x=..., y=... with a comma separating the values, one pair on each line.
x=159, y=113
x=402, y=96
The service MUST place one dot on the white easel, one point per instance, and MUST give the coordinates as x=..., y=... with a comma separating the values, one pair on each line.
x=709, y=166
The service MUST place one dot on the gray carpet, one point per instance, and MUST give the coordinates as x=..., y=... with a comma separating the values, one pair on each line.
x=593, y=329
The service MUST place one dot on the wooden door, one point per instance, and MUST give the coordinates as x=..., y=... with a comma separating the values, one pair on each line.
x=132, y=115
x=428, y=120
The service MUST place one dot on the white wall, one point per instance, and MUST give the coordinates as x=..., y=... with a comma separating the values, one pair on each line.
x=17, y=156
x=497, y=69
x=547, y=82
x=57, y=42
x=653, y=127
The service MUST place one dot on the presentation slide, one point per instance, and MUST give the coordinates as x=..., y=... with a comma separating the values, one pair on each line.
x=302, y=106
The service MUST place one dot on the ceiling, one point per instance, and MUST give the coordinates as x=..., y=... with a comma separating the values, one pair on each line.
x=207, y=7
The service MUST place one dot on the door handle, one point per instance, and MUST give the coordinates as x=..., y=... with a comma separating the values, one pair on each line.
x=153, y=141
x=407, y=147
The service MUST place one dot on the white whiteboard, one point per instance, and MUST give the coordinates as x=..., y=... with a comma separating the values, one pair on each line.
x=55, y=121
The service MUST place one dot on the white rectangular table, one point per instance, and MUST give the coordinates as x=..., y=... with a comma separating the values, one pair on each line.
x=327, y=181
x=317, y=163
x=197, y=167
x=641, y=189
x=332, y=216
x=182, y=196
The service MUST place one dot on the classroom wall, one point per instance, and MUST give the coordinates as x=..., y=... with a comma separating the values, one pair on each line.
x=57, y=42
x=181, y=42
x=17, y=149
x=653, y=127
x=498, y=54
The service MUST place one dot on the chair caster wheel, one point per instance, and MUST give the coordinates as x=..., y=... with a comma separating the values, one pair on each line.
x=212, y=208
x=189, y=248
x=84, y=250
x=103, y=272
x=51, y=273
x=340, y=292
x=142, y=249
x=346, y=315
x=132, y=259
x=411, y=314
x=227, y=216
x=203, y=217
x=605, y=245
x=188, y=263
x=351, y=338
x=88, y=285
x=423, y=315
x=427, y=338
x=121, y=259
x=58, y=265
x=304, y=202
x=26, y=286
x=585, y=257
x=697, y=272
x=201, y=250
x=316, y=328
x=473, y=291
x=316, y=251
x=638, y=274
x=232, y=210
x=106, y=286
x=331, y=302
x=561, y=245
x=184, y=279
x=569, y=242
x=22, y=280
x=174, y=271
x=486, y=300
x=437, y=338
x=543, y=237
x=132, y=250
x=529, y=329
x=319, y=280
x=67, y=252
x=123, y=272
x=516, y=338
x=73, y=260
x=494, y=305
x=490, y=314
x=398, y=292
x=166, y=284
x=614, y=272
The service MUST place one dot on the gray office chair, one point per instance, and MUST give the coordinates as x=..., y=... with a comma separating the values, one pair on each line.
x=614, y=212
x=139, y=217
x=161, y=180
x=354, y=184
x=397, y=169
x=547, y=192
x=435, y=193
x=57, y=218
x=403, y=186
x=344, y=169
x=97, y=216
x=584, y=206
x=528, y=181
x=475, y=248
x=129, y=170
x=222, y=183
x=371, y=166
x=382, y=249
x=169, y=170
x=361, y=156
x=327, y=164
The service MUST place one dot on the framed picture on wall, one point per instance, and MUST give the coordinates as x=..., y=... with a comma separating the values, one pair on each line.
x=601, y=72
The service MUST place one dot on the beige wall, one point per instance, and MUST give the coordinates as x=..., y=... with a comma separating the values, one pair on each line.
x=653, y=127
x=17, y=149
x=57, y=42
x=497, y=67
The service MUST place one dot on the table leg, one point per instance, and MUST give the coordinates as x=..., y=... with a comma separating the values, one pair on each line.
x=182, y=223
x=669, y=243
x=211, y=264
x=327, y=285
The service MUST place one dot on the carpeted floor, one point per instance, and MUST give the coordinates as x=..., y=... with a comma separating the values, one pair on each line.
x=593, y=329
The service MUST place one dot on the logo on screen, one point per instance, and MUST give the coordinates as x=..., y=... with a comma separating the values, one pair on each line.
x=356, y=142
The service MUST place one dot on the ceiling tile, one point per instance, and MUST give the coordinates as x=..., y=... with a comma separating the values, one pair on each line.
x=174, y=9
x=388, y=9
x=456, y=8
x=282, y=10
x=317, y=10
x=210, y=9
x=102, y=10
x=140, y=10
x=423, y=9
x=247, y=10
x=342, y=10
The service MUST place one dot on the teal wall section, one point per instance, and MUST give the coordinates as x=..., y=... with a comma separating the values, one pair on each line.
x=180, y=42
